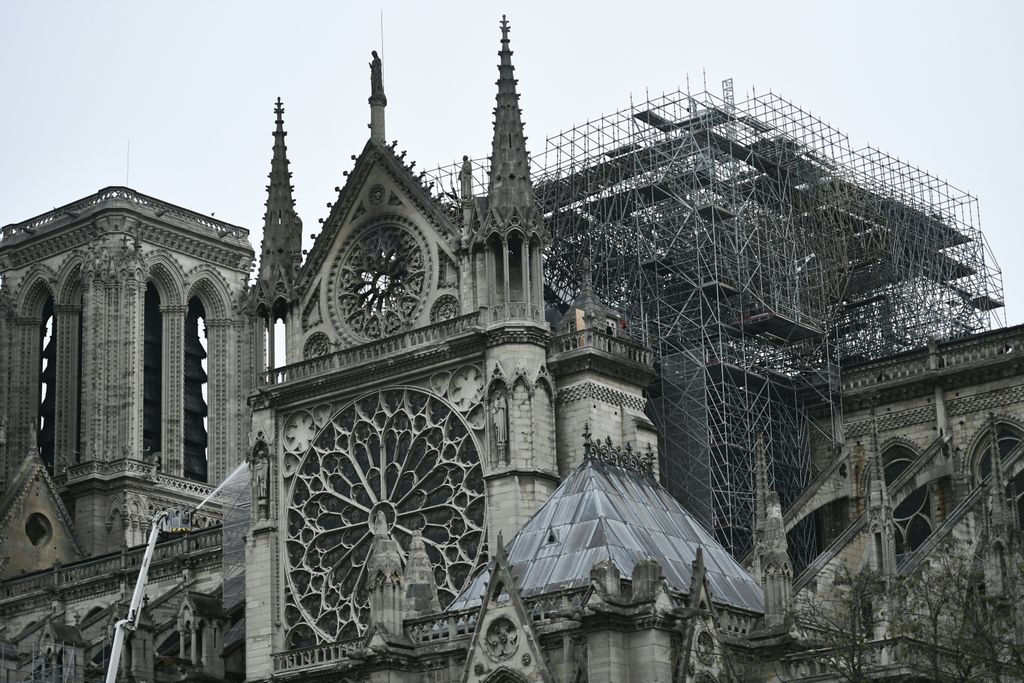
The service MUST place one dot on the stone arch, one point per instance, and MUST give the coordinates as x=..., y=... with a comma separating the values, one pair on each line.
x=979, y=448
x=505, y=675
x=37, y=285
x=69, y=282
x=211, y=289
x=166, y=275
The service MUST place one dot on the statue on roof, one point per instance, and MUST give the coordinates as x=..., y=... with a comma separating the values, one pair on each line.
x=376, y=77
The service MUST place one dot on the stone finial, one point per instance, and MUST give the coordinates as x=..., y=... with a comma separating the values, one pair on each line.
x=420, y=588
x=646, y=575
x=606, y=576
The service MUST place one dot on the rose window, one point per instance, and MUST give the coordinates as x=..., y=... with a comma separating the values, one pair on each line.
x=400, y=452
x=381, y=284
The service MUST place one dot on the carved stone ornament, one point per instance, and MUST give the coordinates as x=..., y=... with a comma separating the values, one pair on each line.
x=404, y=454
x=317, y=345
x=381, y=282
x=705, y=648
x=376, y=195
x=502, y=639
x=445, y=308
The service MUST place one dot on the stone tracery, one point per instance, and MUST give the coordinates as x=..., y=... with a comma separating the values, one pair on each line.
x=399, y=452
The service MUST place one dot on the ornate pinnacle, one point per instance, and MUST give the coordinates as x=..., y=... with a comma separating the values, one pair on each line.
x=509, y=188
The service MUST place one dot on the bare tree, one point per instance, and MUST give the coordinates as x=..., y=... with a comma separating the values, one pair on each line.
x=955, y=626
x=842, y=622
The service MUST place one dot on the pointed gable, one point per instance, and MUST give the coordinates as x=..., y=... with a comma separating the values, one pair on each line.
x=35, y=527
x=603, y=511
x=383, y=263
x=504, y=645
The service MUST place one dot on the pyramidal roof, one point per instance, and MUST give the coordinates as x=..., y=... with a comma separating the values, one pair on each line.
x=604, y=511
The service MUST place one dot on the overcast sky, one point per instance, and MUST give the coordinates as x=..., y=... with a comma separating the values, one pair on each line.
x=192, y=86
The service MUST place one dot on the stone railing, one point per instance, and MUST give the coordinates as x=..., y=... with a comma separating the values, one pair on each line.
x=113, y=468
x=373, y=350
x=595, y=339
x=950, y=354
x=316, y=656
x=109, y=565
x=444, y=627
x=132, y=198
x=513, y=310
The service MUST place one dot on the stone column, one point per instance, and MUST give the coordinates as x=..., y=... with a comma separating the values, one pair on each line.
x=173, y=388
x=23, y=426
x=67, y=319
x=218, y=400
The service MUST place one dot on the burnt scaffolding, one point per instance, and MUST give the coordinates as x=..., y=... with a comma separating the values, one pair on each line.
x=756, y=251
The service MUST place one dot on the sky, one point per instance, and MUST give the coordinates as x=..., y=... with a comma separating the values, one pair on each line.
x=189, y=87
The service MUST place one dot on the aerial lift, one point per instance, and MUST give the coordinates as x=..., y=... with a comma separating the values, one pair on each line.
x=163, y=521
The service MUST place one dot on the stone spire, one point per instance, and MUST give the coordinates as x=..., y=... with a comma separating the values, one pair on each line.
x=772, y=566
x=377, y=98
x=281, y=250
x=509, y=189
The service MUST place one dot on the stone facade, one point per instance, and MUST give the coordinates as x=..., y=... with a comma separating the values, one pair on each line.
x=440, y=484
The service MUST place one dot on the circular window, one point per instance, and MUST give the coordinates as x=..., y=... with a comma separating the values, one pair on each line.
x=402, y=454
x=38, y=529
x=381, y=282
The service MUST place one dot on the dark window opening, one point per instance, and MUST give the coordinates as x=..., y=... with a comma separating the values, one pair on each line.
x=195, y=437
x=152, y=373
x=47, y=385
x=38, y=529
x=1007, y=438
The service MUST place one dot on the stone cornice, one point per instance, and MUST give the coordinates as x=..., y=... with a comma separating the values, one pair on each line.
x=226, y=250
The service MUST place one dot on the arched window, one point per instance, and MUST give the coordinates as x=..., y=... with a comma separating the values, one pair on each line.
x=196, y=436
x=152, y=373
x=1007, y=438
x=913, y=514
x=47, y=385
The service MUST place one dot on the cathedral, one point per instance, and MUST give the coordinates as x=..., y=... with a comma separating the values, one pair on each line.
x=441, y=476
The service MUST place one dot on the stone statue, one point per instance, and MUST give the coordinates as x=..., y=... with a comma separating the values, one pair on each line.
x=259, y=464
x=3, y=430
x=499, y=413
x=376, y=77
x=466, y=179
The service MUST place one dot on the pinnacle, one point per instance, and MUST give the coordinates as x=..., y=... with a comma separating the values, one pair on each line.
x=510, y=186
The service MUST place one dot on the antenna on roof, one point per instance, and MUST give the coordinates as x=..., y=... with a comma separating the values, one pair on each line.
x=127, y=163
x=382, y=34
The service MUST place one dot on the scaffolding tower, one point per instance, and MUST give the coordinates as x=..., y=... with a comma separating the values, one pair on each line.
x=756, y=250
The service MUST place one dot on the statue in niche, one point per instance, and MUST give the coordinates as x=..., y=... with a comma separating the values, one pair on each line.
x=259, y=464
x=3, y=430
x=499, y=415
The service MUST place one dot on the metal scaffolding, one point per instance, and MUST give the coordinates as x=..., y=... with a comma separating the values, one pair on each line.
x=757, y=251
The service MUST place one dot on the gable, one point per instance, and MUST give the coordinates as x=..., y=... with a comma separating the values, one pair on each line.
x=35, y=528
x=385, y=262
x=505, y=647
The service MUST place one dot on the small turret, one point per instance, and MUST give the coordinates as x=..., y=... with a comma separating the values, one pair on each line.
x=508, y=237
